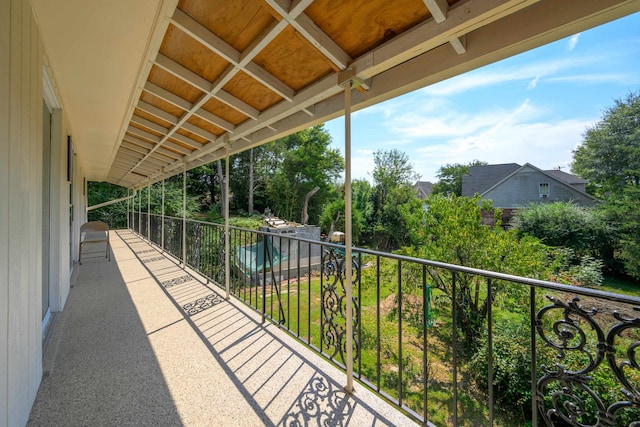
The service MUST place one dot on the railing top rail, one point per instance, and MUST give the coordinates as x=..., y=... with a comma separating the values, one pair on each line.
x=537, y=283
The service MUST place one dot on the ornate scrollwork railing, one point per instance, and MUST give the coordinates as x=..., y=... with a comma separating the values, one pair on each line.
x=584, y=370
x=577, y=338
x=334, y=305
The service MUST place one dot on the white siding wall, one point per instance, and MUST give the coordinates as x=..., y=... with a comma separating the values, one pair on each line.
x=5, y=39
x=20, y=217
x=21, y=82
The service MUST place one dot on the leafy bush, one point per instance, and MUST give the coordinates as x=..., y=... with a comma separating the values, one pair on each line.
x=564, y=224
x=335, y=210
x=512, y=366
x=570, y=268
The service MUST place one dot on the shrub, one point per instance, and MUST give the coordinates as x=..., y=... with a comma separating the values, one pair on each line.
x=511, y=366
x=577, y=270
x=564, y=224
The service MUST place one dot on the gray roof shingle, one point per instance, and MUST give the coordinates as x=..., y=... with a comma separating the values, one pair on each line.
x=566, y=177
x=481, y=178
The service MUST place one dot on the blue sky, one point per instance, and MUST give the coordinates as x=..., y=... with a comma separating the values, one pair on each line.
x=534, y=107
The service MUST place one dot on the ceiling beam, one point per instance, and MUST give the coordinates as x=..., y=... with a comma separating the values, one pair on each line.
x=183, y=73
x=148, y=124
x=134, y=147
x=162, y=160
x=459, y=44
x=176, y=147
x=205, y=37
x=149, y=146
x=462, y=19
x=165, y=95
x=187, y=106
x=438, y=9
x=268, y=80
x=144, y=134
x=157, y=112
x=214, y=120
x=237, y=104
x=310, y=31
x=199, y=131
x=187, y=141
x=229, y=53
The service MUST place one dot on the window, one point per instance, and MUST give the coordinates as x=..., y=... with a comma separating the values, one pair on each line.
x=544, y=189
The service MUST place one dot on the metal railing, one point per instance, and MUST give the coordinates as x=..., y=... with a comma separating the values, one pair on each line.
x=447, y=344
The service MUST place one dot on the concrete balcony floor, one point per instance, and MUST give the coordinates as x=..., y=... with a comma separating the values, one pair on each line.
x=143, y=342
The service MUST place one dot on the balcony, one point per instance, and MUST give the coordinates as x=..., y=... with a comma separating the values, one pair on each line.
x=143, y=341
x=147, y=340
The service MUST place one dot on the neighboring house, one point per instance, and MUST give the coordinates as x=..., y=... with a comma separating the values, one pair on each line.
x=423, y=189
x=511, y=185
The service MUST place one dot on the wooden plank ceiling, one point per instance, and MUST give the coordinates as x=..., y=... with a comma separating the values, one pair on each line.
x=234, y=74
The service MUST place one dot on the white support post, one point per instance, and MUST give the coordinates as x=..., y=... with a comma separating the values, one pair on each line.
x=184, y=216
x=149, y=212
x=348, y=239
x=227, y=235
x=162, y=218
x=140, y=212
x=128, y=203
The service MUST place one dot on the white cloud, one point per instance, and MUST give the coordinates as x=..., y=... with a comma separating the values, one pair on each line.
x=545, y=144
x=451, y=123
x=365, y=153
x=362, y=165
x=496, y=74
x=598, y=78
x=573, y=41
x=533, y=83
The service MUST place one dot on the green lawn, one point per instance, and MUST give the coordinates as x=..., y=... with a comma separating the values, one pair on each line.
x=302, y=314
x=621, y=286
x=301, y=302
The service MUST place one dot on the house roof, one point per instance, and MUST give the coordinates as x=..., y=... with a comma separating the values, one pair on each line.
x=424, y=187
x=481, y=178
x=151, y=87
x=551, y=176
x=566, y=177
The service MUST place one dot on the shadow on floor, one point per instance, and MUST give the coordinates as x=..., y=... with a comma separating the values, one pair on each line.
x=99, y=367
x=143, y=341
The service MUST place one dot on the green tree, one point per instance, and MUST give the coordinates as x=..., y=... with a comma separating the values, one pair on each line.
x=399, y=219
x=334, y=213
x=172, y=198
x=610, y=154
x=453, y=233
x=450, y=177
x=610, y=158
x=202, y=183
x=362, y=194
x=307, y=162
x=99, y=192
x=250, y=195
x=395, y=208
x=392, y=169
x=623, y=212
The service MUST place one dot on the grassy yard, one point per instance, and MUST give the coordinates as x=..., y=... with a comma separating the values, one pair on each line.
x=297, y=304
x=392, y=353
x=621, y=286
